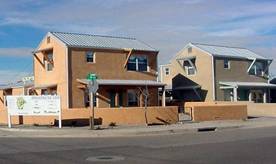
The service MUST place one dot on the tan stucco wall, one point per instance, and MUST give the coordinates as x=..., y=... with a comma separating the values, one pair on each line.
x=262, y=109
x=59, y=73
x=108, y=65
x=203, y=76
x=167, y=79
x=237, y=72
x=208, y=111
x=120, y=116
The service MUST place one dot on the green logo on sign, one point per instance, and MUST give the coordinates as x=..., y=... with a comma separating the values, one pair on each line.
x=91, y=77
x=20, y=102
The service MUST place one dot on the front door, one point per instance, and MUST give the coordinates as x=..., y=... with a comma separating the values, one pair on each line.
x=257, y=96
x=112, y=96
x=116, y=99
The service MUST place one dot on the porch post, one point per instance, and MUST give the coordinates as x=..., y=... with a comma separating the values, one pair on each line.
x=163, y=96
x=235, y=92
x=265, y=96
x=250, y=96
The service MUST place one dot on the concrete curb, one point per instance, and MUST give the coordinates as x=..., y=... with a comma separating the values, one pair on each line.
x=131, y=131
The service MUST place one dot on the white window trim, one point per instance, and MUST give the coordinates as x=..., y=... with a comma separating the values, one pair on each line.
x=94, y=57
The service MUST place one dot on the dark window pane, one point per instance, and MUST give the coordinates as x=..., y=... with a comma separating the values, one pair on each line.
x=90, y=57
x=142, y=64
x=131, y=65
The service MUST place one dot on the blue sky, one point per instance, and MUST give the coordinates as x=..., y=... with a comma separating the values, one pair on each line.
x=165, y=25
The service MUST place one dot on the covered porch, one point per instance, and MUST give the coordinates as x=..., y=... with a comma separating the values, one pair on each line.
x=258, y=92
x=124, y=93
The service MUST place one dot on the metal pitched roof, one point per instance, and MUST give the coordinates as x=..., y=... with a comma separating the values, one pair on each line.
x=99, y=41
x=225, y=51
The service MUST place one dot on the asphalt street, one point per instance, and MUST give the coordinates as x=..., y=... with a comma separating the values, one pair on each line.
x=254, y=145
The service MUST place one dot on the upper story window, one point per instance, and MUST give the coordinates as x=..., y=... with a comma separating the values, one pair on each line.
x=137, y=63
x=257, y=69
x=167, y=71
x=190, y=69
x=90, y=57
x=226, y=64
x=49, y=61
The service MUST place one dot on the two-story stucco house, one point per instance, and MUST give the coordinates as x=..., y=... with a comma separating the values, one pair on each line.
x=126, y=69
x=201, y=72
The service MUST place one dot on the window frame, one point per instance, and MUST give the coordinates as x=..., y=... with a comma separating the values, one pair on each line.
x=47, y=63
x=137, y=63
x=187, y=68
x=93, y=57
x=167, y=71
x=228, y=64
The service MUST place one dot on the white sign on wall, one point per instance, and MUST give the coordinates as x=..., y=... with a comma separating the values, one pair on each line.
x=34, y=106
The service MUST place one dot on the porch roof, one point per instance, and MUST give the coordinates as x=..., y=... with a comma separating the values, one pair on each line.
x=125, y=82
x=248, y=84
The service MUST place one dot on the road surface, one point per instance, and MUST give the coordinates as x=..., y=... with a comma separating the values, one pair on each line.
x=255, y=145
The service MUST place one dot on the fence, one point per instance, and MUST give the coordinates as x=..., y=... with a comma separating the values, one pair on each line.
x=103, y=116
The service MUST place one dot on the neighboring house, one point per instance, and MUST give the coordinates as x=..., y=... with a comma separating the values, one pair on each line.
x=201, y=72
x=126, y=70
x=273, y=90
x=18, y=88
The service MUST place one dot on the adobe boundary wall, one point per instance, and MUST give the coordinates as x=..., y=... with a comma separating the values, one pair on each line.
x=103, y=116
x=208, y=111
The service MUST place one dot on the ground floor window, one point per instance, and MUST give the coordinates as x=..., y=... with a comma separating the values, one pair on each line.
x=132, y=98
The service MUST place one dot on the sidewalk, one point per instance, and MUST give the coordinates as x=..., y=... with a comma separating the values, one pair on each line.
x=187, y=127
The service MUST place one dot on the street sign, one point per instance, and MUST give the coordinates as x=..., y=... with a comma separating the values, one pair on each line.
x=91, y=77
x=93, y=86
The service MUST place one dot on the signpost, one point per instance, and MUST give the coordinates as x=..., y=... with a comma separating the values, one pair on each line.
x=93, y=86
x=33, y=106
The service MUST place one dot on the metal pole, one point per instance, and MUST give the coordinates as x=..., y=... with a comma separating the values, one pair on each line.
x=9, y=120
x=59, y=120
x=91, y=120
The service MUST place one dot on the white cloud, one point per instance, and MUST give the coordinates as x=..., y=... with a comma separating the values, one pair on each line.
x=166, y=25
x=16, y=51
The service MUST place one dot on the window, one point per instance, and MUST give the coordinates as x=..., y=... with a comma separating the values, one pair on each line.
x=167, y=71
x=48, y=61
x=226, y=64
x=257, y=69
x=44, y=92
x=137, y=63
x=132, y=98
x=190, y=69
x=90, y=57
